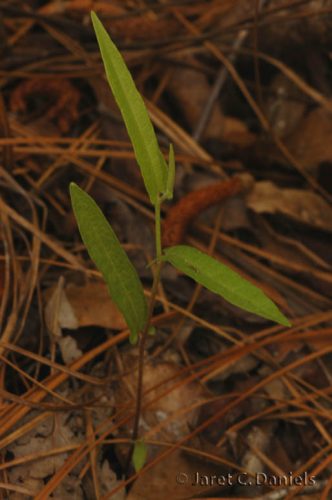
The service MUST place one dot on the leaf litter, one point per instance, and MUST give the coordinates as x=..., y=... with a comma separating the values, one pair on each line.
x=226, y=393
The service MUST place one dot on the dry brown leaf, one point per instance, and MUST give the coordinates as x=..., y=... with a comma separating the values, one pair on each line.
x=58, y=315
x=70, y=488
x=58, y=311
x=75, y=306
x=92, y=305
x=88, y=305
x=276, y=389
x=303, y=206
x=109, y=481
x=166, y=419
x=55, y=432
x=258, y=438
x=69, y=349
x=192, y=99
x=163, y=480
x=184, y=395
x=311, y=143
x=236, y=132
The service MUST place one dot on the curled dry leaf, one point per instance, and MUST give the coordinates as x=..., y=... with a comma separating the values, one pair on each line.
x=58, y=315
x=92, y=305
x=304, y=206
x=311, y=142
x=73, y=307
x=69, y=349
x=61, y=93
x=58, y=311
x=88, y=305
x=190, y=206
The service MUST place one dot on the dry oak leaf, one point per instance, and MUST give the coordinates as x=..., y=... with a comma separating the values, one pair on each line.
x=88, y=305
x=304, y=206
x=311, y=143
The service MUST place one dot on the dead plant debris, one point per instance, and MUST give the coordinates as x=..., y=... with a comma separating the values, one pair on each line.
x=233, y=406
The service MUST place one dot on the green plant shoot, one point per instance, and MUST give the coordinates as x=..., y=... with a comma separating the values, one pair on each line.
x=105, y=249
x=159, y=180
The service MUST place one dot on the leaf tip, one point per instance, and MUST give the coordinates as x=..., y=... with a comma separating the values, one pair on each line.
x=96, y=23
x=276, y=315
x=285, y=322
x=93, y=15
x=73, y=187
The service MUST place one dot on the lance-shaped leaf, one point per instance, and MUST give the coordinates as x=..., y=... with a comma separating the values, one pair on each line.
x=134, y=113
x=112, y=261
x=224, y=281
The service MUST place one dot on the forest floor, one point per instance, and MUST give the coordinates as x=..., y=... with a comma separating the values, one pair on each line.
x=234, y=406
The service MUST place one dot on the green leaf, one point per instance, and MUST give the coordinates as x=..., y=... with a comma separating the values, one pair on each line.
x=170, y=173
x=134, y=113
x=139, y=455
x=112, y=261
x=224, y=281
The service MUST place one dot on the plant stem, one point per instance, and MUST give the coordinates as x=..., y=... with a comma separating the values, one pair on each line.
x=144, y=334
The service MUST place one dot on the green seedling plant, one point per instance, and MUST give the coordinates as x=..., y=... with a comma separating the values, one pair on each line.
x=105, y=250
